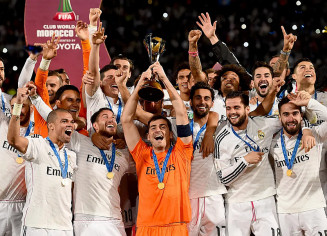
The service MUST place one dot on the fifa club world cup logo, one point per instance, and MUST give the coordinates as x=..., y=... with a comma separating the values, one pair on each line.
x=65, y=11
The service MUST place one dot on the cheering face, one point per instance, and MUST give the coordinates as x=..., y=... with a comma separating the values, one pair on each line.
x=201, y=102
x=65, y=79
x=124, y=66
x=26, y=111
x=236, y=112
x=290, y=117
x=305, y=73
x=63, y=126
x=106, y=124
x=229, y=82
x=108, y=83
x=159, y=134
x=2, y=73
x=183, y=80
x=53, y=84
x=70, y=101
x=262, y=81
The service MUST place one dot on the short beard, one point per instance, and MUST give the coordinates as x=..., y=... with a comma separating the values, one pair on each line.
x=200, y=115
x=105, y=133
x=240, y=121
x=294, y=131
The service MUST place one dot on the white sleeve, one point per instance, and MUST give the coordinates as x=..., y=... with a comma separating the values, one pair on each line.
x=32, y=152
x=228, y=172
x=75, y=141
x=95, y=102
x=27, y=72
x=318, y=108
x=41, y=107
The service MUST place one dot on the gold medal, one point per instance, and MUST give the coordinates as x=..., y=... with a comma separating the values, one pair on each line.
x=161, y=186
x=289, y=173
x=19, y=160
x=110, y=175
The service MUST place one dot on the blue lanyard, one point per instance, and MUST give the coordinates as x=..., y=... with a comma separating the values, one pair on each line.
x=282, y=94
x=161, y=174
x=269, y=114
x=113, y=156
x=63, y=170
x=3, y=103
x=119, y=109
x=291, y=162
x=199, y=133
x=315, y=95
x=28, y=130
x=252, y=148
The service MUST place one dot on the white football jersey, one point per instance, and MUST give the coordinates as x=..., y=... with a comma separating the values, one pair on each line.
x=5, y=103
x=246, y=182
x=94, y=193
x=48, y=202
x=12, y=174
x=219, y=106
x=302, y=190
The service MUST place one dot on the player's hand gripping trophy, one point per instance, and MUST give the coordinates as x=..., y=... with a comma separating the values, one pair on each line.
x=152, y=90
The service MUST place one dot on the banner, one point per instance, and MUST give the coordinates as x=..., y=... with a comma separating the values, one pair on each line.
x=44, y=17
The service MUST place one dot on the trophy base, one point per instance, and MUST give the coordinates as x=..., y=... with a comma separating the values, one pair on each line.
x=151, y=94
x=65, y=16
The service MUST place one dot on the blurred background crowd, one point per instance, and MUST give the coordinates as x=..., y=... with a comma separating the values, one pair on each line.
x=250, y=28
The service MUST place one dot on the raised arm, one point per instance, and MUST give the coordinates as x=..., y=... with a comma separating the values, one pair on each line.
x=27, y=71
x=193, y=56
x=280, y=65
x=97, y=39
x=13, y=136
x=176, y=100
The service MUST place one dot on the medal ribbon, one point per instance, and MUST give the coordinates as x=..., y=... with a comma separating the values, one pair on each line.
x=119, y=109
x=3, y=103
x=113, y=156
x=199, y=133
x=28, y=131
x=252, y=148
x=282, y=94
x=269, y=114
x=161, y=174
x=63, y=169
x=290, y=163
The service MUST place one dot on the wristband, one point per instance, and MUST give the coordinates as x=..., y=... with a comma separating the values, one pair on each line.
x=193, y=54
x=183, y=130
x=17, y=109
x=285, y=53
x=44, y=65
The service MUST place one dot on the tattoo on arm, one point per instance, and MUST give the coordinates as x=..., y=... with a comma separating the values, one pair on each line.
x=280, y=65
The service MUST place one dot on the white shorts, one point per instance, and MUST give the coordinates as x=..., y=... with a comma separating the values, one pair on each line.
x=31, y=231
x=87, y=225
x=259, y=216
x=11, y=214
x=208, y=216
x=309, y=223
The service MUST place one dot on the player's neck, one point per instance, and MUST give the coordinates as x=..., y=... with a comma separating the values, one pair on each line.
x=159, y=149
x=53, y=104
x=243, y=126
x=260, y=99
x=201, y=121
x=290, y=135
x=310, y=89
x=55, y=140
x=25, y=124
x=185, y=96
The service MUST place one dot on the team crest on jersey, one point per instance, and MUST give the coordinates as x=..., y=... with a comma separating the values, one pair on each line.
x=276, y=113
x=119, y=153
x=261, y=134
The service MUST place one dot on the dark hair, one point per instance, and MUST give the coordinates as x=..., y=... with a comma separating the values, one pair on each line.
x=60, y=71
x=122, y=57
x=53, y=115
x=159, y=117
x=64, y=88
x=201, y=85
x=105, y=69
x=259, y=64
x=182, y=66
x=299, y=61
x=245, y=78
x=94, y=117
x=55, y=73
x=1, y=59
x=284, y=101
x=238, y=94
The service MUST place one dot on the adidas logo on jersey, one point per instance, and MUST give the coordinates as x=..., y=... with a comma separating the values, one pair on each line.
x=237, y=146
x=276, y=146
